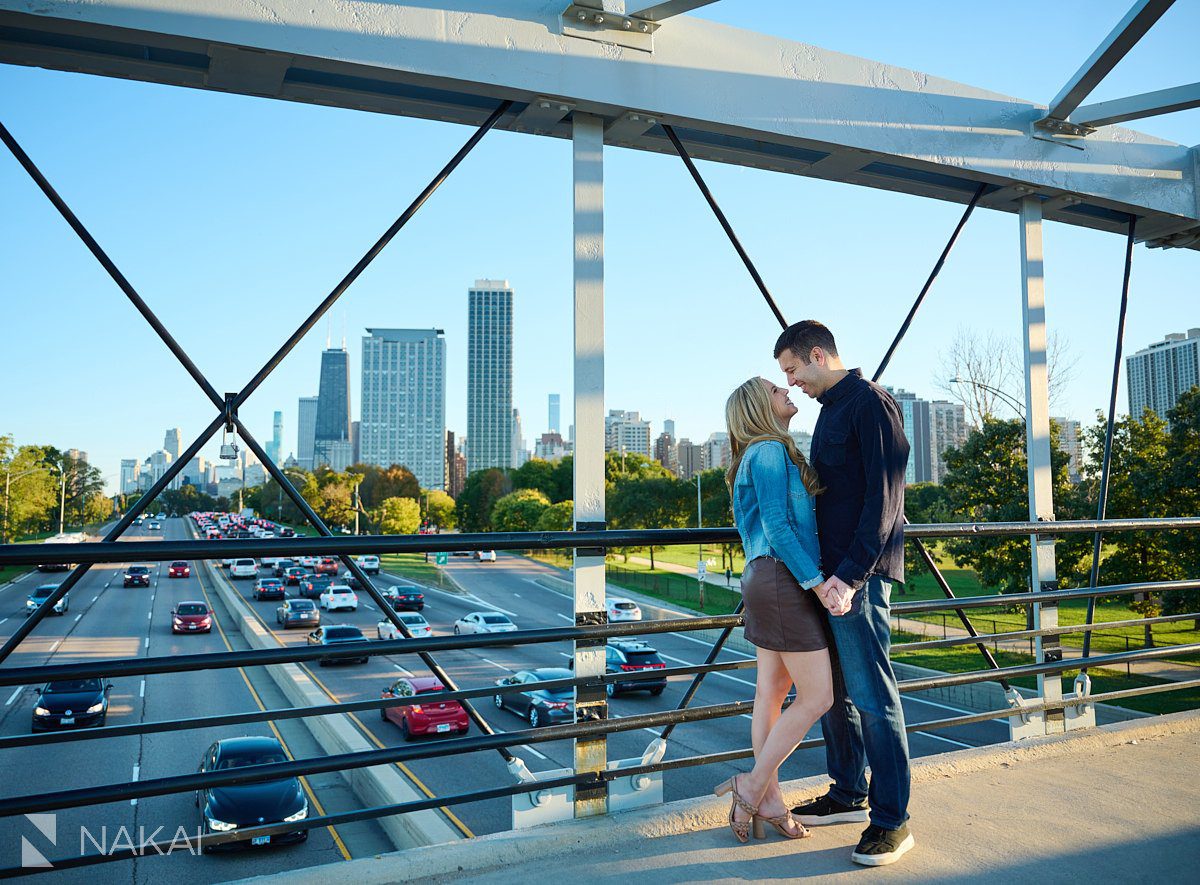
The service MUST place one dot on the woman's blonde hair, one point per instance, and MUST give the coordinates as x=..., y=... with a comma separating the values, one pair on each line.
x=750, y=418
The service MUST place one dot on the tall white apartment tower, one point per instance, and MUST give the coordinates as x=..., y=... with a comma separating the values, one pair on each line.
x=404, y=402
x=489, y=375
x=1159, y=374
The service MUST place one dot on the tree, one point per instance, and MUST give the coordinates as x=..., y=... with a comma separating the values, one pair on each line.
x=1183, y=497
x=924, y=502
x=272, y=502
x=536, y=474
x=439, y=509
x=378, y=485
x=397, y=516
x=480, y=493
x=631, y=465
x=557, y=517
x=519, y=511
x=653, y=502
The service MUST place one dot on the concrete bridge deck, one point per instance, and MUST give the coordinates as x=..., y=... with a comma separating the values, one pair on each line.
x=1120, y=803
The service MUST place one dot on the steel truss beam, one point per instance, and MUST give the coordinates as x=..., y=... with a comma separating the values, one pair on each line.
x=1137, y=107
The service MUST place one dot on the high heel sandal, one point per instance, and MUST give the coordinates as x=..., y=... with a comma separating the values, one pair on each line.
x=741, y=828
x=780, y=824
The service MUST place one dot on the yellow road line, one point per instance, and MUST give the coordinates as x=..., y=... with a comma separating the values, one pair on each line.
x=312, y=796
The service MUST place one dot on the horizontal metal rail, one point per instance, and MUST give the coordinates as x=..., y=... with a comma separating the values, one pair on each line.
x=349, y=545
x=1030, y=634
x=1043, y=597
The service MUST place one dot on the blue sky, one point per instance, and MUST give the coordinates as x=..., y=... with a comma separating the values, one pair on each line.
x=233, y=216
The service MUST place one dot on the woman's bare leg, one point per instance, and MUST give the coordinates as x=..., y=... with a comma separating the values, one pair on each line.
x=771, y=689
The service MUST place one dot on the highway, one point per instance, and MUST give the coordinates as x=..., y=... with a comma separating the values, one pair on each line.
x=105, y=620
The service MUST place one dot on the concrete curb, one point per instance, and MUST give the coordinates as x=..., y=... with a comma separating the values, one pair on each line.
x=552, y=841
x=375, y=786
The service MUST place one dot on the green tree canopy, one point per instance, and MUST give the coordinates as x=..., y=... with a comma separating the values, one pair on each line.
x=439, y=509
x=379, y=484
x=519, y=511
x=480, y=493
x=557, y=517
x=397, y=516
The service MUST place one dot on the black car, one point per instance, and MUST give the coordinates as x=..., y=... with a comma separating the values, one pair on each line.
x=137, y=576
x=287, y=533
x=294, y=575
x=405, y=600
x=334, y=636
x=629, y=656
x=298, y=611
x=312, y=586
x=71, y=703
x=539, y=706
x=225, y=809
x=282, y=565
x=269, y=588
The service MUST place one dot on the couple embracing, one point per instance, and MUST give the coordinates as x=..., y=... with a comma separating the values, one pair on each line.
x=823, y=544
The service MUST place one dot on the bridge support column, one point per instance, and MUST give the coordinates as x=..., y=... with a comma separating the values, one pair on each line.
x=590, y=702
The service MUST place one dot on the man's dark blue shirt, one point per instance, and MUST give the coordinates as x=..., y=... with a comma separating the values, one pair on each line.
x=860, y=453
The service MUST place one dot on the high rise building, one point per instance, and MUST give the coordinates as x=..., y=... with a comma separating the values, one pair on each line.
x=520, y=454
x=554, y=417
x=691, y=458
x=489, y=375
x=456, y=466
x=1070, y=440
x=171, y=443
x=948, y=429
x=306, y=431
x=627, y=433
x=803, y=440
x=195, y=473
x=550, y=447
x=331, y=439
x=130, y=470
x=717, y=451
x=1159, y=374
x=918, y=430
x=154, y=467
x=355, y=442
x=666, y=453
x=275, y=446
x=669, y=428
x=404, y=402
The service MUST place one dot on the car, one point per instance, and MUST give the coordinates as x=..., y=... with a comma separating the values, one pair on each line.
x=154, y=526
x=405, y=599
x=295, y=574
x=139, y=520
x=297, y=611
x=539, y=706
x=309, y=561
x=416, y=624
x=137, y=576
x=631, y=656
x=264, y=803
x=287, y=533
x=336, y=635
x=72, y=703
x=179, y=569
x=282, y=565
x=484, y=622
x=440, y=718
x=41, y=594
x=162, y=516
x=192, y=616
x=461, y=553
x=269, y=588
x=369, y=564
x=338, y=596
x=622, y=609
x=243, y=568
x=347, y=578
x=312, y=586
x=326, y=565
x=212, y=533
x=485, y=555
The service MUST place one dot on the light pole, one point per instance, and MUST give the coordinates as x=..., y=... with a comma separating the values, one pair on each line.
x=62, y=498
x=8, y=478
x=699, y=547
x=1011, y=401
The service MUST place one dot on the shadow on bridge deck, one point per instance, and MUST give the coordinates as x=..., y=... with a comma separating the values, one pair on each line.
x=1116, y=804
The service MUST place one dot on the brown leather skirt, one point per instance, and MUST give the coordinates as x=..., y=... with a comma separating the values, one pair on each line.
x=780, y=614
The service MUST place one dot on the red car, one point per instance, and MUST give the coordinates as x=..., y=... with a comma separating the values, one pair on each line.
x=438, y=718
x=179, y=569
x=191, y=617
x=326, y=565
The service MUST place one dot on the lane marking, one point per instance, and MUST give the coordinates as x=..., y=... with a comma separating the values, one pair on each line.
x=77, y=617
x=938, y=737
x=518, y=596
x=54, y=647
x=147, y=644
x=142, y=690
x=403, y=672
x=494, y=664
x=534, y=752
x=942, y=706
x=94, y=598
x=16, y=693
x=565, y=617
x=722, y=675
x=149, y=616
x=136, y=769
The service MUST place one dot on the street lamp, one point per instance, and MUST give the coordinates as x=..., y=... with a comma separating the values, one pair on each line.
x=62, y=500
x=8, y=478
x=1016, y=405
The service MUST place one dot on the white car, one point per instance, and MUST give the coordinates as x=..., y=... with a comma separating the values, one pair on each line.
x=622, y=609
x=243, y=568
x=484, y=622
x=416, y=624
x=154, y=526
x=339, y=596
x=307, y=561
x=485, y=555
x=369, y=564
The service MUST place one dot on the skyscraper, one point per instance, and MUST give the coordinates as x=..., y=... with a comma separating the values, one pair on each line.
x=1160, y=373
x=626, y=432
x=331, y=439
x=917, y=428
x=691, y=458
x=666, y=453
x=456, y=466
x=404, y=402
x=1069, y=440
x=275, y=446
x=554, y=426
x=171, y=443
x=130, y=470
x=306, y=430
x=489, y=375
x=948, y=429
x=519, y=453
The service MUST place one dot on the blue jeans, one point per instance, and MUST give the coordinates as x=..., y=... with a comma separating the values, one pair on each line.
x=866, y=722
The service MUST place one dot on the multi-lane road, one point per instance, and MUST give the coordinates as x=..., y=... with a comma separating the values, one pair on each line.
x=113, y=622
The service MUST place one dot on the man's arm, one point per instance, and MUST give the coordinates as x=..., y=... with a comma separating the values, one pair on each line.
x=884, y=454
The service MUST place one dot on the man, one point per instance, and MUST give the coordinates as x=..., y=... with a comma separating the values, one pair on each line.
x=860, y=453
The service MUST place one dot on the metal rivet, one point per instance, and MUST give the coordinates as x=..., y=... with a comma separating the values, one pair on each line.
x=641, y=782
x=628, y=24
x=599, y=19
x=645, y=29
x=545, y=105
x=583, y=16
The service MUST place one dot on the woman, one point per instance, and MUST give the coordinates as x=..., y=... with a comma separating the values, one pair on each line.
x=772, y=488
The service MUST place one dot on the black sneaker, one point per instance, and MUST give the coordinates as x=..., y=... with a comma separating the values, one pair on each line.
x=879, y=847
x=827, y=810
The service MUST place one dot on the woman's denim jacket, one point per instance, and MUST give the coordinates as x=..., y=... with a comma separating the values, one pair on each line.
x=774, y=513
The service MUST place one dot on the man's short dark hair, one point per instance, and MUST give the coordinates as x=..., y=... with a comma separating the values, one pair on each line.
x=800, y=338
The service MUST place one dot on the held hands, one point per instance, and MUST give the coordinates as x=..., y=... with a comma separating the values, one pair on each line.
x=836, y=595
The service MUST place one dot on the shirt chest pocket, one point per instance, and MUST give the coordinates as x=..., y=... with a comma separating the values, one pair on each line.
x=833, y=448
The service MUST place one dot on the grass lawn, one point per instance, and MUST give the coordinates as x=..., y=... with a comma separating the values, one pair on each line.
x=414, y=566
x=11, y=572
x=687, y=556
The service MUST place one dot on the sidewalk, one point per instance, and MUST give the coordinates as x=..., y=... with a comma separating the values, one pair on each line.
x=1113, y=804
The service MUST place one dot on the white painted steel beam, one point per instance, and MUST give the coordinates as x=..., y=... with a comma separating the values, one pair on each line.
x=1129, y=30
x=733, y=96
x=662, y=11
x=1137, y=107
